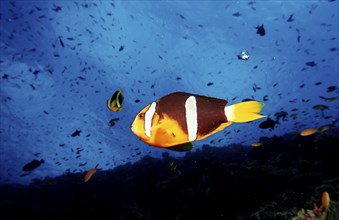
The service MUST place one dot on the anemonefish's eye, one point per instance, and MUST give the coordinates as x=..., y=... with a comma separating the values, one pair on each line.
x=142, y=115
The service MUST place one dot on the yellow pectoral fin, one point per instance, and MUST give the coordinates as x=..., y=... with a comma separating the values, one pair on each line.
x=162, y=138
x=168, y=137
x=167, y=133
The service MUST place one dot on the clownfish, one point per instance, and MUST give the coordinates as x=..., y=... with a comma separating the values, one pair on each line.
x=90, y=173
x=177, y=119
x=116, y=101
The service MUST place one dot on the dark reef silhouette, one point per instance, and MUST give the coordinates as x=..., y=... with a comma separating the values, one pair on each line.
x=272, y=181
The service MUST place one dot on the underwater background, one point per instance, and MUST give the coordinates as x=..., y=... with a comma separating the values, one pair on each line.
x=61, y=61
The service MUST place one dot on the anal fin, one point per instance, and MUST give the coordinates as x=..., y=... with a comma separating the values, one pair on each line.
x=181, y=147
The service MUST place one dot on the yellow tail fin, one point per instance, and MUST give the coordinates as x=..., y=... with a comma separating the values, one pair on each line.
x=244, y=111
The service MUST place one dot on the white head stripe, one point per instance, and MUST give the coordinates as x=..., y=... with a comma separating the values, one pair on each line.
x=191, y=118
x=148, y=119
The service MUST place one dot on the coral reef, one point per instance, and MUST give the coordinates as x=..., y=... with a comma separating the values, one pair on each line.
x=275, y=181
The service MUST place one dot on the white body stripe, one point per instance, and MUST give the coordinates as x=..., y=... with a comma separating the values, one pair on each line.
x=191, y=118
x=148, y=119
x=229, y=112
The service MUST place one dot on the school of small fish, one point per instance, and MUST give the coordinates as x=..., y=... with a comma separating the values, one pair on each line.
x=62, y=62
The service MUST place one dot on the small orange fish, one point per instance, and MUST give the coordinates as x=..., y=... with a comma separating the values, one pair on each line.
x=325, y=200
x=308, y=131
x=90, y=173
x=256, y=144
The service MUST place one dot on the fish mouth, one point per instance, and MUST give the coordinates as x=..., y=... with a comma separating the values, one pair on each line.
x=140, y=134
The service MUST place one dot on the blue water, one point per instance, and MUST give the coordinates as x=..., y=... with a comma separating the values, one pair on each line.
x=61, y=60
